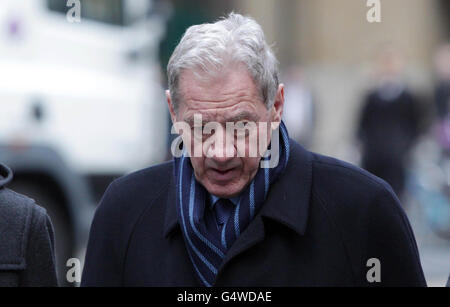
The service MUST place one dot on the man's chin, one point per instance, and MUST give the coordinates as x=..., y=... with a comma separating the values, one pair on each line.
x=224, y=191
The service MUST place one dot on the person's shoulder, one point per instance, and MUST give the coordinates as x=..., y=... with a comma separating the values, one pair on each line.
x=128, y=195
x=326, y=165
x=15, y=206
x=19, y=216
x=149, y=180
x=366, y=215
x=358, y=203
x=340, y=185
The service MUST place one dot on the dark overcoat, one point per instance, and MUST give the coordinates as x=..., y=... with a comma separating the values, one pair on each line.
x=27, y=255
x=324, y=223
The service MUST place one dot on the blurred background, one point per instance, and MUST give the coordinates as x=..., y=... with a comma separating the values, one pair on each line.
x=82, y=103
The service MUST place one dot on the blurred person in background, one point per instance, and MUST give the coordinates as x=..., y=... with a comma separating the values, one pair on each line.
x=442, y=96
x=299, y=111
x=27, y=256
x=389, y=122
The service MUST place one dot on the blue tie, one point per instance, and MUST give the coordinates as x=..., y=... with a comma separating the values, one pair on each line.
x=223, y=209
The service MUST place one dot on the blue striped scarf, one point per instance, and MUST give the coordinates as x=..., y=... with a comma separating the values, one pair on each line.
x=207, y=250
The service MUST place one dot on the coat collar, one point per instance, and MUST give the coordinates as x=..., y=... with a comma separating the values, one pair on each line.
x=287, y=202
x=289, y=196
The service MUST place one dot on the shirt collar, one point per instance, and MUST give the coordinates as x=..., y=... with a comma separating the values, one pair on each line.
x=213, y=200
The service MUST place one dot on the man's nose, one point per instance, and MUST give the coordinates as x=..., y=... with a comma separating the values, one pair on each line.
x=222, y=151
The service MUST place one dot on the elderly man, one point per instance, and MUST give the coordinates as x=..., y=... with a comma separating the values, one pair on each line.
x=221, y=215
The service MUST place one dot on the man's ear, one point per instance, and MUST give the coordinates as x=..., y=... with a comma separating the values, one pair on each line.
x=171, y=107
x=277, y=108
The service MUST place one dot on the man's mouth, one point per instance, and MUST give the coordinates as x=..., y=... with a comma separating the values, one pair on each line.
x=223, y=174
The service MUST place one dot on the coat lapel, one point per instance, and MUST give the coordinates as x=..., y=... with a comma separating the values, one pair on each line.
x=287, y=203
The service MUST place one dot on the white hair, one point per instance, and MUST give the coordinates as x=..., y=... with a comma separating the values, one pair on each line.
x=211, y=47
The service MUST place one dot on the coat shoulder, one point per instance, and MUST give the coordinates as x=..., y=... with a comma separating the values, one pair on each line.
x=149, y=180
x=343, y=186
x=346, y=176
x=123, y=204
x=19, y=215
x=368, y=217
x=128, y=196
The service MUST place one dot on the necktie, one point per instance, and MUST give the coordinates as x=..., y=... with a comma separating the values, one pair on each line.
x=223, y=209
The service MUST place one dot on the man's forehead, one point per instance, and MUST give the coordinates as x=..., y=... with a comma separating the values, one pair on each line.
x=221, y=117
x=232, y=95
x=198, y=82
x=200, y=78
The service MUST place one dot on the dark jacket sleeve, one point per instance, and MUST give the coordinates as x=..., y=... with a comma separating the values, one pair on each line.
x=102, y=263
x=40, y=253
x=390, y=239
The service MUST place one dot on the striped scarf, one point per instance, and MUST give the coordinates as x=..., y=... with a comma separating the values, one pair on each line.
x=206, y=250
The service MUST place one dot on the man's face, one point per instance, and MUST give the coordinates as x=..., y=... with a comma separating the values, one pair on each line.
x=231, y=98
